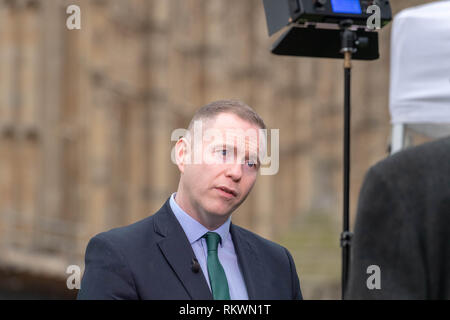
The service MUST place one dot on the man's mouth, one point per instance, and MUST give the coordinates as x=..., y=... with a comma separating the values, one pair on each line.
x=228, y=191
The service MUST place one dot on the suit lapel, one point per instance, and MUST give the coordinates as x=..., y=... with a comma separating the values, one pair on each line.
x=178, y=252
x=251, y=267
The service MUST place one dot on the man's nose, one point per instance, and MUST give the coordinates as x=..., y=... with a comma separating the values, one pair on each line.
x=234, y=171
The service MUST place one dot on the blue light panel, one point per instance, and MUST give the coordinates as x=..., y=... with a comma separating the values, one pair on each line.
x=346, y=6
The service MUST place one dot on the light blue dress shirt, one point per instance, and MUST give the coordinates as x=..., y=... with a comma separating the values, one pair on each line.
x=227, y=255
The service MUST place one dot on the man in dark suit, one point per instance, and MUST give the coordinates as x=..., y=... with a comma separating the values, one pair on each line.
x=189, y=249
x=403, y=227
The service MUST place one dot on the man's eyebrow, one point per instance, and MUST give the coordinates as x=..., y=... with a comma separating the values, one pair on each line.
x=234, y=148
x=224, y=145
x=229, y=146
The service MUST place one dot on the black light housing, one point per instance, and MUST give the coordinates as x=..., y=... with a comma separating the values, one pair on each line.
x=314, y=26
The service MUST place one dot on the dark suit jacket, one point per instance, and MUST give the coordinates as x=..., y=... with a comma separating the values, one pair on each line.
x=151, y=259
x=403, y=226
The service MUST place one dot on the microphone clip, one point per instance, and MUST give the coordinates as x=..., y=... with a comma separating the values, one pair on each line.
x=195, y=266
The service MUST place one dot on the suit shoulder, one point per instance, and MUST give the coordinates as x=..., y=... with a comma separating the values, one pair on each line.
x=433, y=153
x=409, y=164
x=140, y=234
x=129, y=234
x=259, y=241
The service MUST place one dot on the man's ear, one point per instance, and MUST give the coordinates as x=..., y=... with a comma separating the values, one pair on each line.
x=182, y=153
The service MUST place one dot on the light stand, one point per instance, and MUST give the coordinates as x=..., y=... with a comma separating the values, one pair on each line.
x=341, y=43
x=330, y=29
x=349, y=42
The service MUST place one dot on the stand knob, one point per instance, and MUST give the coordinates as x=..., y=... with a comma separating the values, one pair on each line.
x=319, y=4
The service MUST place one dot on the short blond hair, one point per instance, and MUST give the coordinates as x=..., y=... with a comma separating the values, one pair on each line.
x=236, y=107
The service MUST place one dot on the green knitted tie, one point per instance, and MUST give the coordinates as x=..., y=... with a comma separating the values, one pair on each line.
x=217, y=277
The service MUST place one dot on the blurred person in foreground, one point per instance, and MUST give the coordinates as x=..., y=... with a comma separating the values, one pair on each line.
x=403, y=227
x=190, y=249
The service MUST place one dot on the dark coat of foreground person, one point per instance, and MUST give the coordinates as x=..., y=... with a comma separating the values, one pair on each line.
x=403, y=226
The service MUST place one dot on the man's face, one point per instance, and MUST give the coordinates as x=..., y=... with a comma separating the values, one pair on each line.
x=221, y=181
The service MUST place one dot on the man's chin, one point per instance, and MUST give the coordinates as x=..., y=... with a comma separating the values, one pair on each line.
x=220, y=211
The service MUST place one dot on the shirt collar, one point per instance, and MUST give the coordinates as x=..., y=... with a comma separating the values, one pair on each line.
x=195, y=230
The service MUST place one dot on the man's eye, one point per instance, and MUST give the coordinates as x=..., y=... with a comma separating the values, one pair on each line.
x=251, y=164
x=223, y=153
